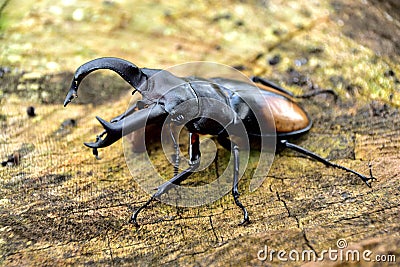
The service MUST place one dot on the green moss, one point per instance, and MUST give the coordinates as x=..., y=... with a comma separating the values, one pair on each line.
x=3, y=20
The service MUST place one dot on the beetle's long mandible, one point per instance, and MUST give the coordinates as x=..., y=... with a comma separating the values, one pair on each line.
x=140, y=119
x=125, y=123
x=127, y=70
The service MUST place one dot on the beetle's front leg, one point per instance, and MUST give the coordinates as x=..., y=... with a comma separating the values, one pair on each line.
x=194, y=163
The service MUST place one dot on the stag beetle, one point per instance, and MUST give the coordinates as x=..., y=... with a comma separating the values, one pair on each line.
x=157, y=104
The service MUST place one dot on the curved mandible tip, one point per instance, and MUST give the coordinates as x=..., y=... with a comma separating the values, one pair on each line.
x=70, y=96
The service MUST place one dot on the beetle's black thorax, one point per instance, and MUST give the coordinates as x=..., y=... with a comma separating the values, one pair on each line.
x=202, y=106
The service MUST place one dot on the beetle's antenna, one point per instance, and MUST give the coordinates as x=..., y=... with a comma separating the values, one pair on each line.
x=132, y=109
x=366, y=180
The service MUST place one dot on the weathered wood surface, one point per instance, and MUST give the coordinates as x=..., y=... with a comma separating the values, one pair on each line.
x=61, y=206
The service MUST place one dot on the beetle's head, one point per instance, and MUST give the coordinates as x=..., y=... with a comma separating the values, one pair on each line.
x=175, y=94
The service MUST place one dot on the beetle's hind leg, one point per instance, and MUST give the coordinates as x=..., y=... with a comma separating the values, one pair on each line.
x=366, y=180
x=268, y=83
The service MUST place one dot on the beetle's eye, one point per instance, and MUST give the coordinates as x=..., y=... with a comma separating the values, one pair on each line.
x=141, y=105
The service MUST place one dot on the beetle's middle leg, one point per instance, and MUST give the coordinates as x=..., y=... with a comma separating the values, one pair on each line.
x=194, y=163
x=268, y=83
x=263, y=81
x=235, y=190
x=229, y=145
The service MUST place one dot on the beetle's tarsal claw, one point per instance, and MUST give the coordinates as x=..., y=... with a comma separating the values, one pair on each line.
x=371, y=178
x=370, y=172
x=369, y=181
x=245, y=222
x=133, y=221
